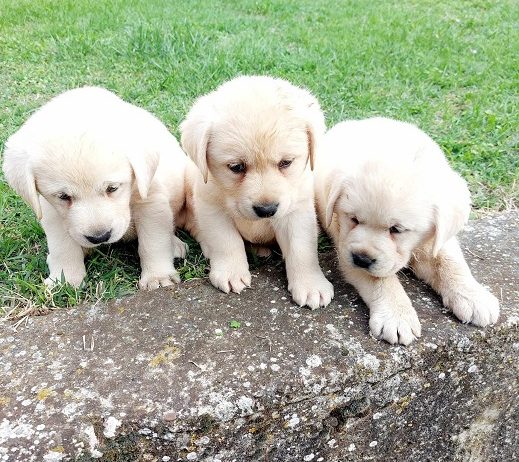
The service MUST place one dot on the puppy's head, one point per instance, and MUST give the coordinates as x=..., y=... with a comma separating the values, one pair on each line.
x=395, y=197
x=88, y=183
x=255, y=137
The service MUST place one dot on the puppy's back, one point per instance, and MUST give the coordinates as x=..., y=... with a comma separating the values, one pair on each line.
x=87, y=117
x=381, y=140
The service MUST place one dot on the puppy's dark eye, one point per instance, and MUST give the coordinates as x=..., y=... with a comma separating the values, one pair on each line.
x=354, y=219
x=285, y=164
x=64, y=197
x=394, y=230
x=237, y=168
x=112, y=188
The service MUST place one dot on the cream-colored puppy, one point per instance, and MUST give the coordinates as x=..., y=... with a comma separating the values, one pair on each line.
x=254, y=140
x=96, y=169
x=389, y=199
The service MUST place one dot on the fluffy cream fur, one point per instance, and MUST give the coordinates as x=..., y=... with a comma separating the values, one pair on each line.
x=266, y=130
x=389, y=199
x=96, y=169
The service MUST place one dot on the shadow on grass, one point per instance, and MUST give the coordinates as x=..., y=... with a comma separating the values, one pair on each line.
x=112, y=272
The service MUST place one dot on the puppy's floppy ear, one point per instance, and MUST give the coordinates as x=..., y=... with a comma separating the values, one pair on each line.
x=195, y=134
x=19, y=174
x=315, y=127
x=308, y=108
x=311, y=146
x=144, y=165
x=333, y=192
x=450, y=210
x=195, y=140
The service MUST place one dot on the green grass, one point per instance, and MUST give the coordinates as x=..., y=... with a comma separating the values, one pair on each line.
x=449, y=66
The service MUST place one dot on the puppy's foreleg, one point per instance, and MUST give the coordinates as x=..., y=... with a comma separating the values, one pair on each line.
x=391, y=314
x=449, y=275
x=223, y=245
x=296, y=234
x=157, y=243
x=66, y=256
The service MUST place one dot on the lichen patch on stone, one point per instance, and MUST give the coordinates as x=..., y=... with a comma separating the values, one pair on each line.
x=165, y=356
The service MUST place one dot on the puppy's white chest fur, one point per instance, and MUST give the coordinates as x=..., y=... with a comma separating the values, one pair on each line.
x=257, y=231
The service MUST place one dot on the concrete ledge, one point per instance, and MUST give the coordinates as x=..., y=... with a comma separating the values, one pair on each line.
x=163, y=376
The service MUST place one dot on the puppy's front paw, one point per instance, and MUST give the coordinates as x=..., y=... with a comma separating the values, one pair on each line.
x=395, y=324
x=153, y=280
x=180, y=248
x=74, y=279
x=312, y=290
x=473, y=304
x=229, y=277
x=49, y=282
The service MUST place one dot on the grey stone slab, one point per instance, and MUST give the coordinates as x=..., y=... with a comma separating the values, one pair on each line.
x=163, y=376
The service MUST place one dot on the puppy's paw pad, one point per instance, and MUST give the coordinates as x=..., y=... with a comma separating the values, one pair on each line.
x=154, y=281
x=395, y=327
x=180, y=248
x=230, y=280
x=475, y=305
x=314, y=291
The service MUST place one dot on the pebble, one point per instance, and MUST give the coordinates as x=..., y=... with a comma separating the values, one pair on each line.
x=313, y=361
x=204, y=441
x=168, y=416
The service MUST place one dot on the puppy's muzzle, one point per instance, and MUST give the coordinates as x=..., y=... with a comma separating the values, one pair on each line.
x=265, y=210
x=99, y=238
x=362, y=260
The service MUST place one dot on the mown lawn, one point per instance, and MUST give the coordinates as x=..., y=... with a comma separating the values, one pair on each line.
x=449, y=66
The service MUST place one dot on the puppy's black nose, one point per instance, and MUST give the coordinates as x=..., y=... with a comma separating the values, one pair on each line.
x=362, y=260
x=265, y=210
x=99, y=238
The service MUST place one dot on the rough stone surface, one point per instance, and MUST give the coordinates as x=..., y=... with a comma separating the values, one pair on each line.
x=163, y=376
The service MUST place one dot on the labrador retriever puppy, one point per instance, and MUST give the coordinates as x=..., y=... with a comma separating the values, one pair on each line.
x=253, y=141
x=96, y=169
x=389, y=199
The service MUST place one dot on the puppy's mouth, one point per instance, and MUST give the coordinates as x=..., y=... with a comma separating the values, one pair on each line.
x=89, y=245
